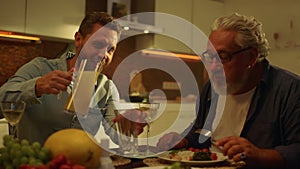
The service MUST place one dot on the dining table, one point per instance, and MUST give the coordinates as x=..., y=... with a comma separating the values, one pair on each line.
x=120, y=162
x=158, y=162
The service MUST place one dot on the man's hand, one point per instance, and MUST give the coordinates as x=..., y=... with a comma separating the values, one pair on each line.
x=131, y=121
x=241, y=149
x=171, y=140
x=53, y=82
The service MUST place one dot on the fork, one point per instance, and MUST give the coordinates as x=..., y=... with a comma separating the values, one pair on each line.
x=207, y=134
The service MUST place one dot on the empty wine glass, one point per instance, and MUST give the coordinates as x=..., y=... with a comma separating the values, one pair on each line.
x=127, y=138
x=151, y=110
x=13, y=112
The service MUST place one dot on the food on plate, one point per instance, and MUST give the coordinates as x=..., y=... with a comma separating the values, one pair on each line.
x=78, y=146
x=192, y=154
x=175, y=165
x=204, y=156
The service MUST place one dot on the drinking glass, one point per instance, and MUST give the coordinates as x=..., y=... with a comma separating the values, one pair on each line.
x=126, y=128
x=13, y=112
x=127, y=137
x=151, y=110
x=82, y=86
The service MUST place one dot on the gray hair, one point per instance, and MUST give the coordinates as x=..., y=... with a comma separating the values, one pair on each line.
x=250, y=33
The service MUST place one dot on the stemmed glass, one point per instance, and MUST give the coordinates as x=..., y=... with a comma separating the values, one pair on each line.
x=151, y=110
x=13, y=112
x=128, y=134
x=127, y=137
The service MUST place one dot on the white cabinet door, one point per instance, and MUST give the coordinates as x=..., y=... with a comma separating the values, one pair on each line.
x=197, y=14
x=173, y=25
x=54, y=18
x=204, y=13
x=12, y=15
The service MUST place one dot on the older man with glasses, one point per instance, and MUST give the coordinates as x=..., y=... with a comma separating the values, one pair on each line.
x=256, y=119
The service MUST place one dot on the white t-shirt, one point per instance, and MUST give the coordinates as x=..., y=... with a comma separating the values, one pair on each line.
x=230, y=122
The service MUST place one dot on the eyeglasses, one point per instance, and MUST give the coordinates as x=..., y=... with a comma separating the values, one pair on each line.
x=224, y=57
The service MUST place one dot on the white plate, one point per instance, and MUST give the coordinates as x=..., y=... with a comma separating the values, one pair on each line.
x=220, y=156
x=153, y=167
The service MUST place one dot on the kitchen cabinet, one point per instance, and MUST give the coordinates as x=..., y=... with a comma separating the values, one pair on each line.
x=177, y=8
x=12, y=15
x=55, y=18
x=199, y=13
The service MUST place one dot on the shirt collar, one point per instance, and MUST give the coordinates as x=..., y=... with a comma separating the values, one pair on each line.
x=265, y=81
x=70, y=55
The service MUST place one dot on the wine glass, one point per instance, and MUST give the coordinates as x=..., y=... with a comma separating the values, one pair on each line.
x=13, y=112
x=127, y=133
x=126, y=139
x=151, y=110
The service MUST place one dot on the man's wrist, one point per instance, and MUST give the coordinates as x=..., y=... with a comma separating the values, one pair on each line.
x=270, y=158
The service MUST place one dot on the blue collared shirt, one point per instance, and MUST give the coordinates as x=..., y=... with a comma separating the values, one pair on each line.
x=273, y=119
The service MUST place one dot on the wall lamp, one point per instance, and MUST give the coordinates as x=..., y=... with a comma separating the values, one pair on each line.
x=158, y=53
x=12, y=35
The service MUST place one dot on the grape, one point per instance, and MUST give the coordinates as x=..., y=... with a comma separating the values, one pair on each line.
x=12, y=152
x=32, y=161
x=24, y=160
x=20, y=152
x=36, y=145
x=2, y=149
x=43, y=156
x=45, y=150
x=9, y=144
x=5, y=156
x=9, y=166
x=16, y=162
x=16, y=145
x=25, y=142
x=7, y=138
x=29, y=152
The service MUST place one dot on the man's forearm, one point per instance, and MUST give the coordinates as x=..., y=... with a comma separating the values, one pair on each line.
x=269, y=158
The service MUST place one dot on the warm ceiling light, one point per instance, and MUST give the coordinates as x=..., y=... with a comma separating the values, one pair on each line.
x=17, y=36
x=170, y=54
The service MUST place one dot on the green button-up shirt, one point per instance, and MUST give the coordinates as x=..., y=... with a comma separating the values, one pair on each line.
x=44, y=115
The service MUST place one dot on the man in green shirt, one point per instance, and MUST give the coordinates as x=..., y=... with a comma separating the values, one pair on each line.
x=40, y=81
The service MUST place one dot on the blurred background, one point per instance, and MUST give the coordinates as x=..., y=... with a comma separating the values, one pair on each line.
x=55, y=23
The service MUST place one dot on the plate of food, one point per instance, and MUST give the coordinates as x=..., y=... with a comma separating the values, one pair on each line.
x=119, y=161
x=193, y=156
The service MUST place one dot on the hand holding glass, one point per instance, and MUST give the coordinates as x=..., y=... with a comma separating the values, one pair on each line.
x=127, y=130
x=13, y=112
x=131, y=118
x=83, y=84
